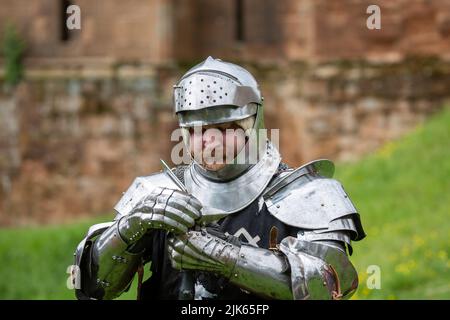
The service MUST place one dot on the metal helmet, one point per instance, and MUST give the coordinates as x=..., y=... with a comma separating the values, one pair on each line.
x=215, y=91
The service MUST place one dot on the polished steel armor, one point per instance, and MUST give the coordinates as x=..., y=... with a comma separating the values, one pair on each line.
x=215, y=83
x=312, y=264
x=213, y=92
x=238, y=193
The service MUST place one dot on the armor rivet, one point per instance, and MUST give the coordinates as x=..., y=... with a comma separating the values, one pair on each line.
x=236, y=275
x=324, y=283
x=242, y=256
x=278, y=206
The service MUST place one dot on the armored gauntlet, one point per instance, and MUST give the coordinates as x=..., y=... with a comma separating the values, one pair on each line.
x=167, y=209
x=299, y=270
x=111, y=253
x=250, y=268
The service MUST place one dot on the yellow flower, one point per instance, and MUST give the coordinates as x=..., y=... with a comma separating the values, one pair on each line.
x=365, y=291
x=442, y=255
x=405, y=251
x=406, y=267
x=418, y=241
x=362, y=277
x=386, y=150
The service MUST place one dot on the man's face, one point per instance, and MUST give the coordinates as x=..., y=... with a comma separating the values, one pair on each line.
x=216, y=145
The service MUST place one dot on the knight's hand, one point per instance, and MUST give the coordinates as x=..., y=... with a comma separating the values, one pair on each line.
x=199, y=250
x=171, y=210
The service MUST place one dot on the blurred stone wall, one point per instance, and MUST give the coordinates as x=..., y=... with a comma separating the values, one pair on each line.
x=72, y=140
x=132, y=30
x=94, y=110
x=160, y=31
x=345, y=110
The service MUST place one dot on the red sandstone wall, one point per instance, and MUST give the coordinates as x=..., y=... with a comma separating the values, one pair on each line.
x=95, y=111
x=274, y=30
x=113, y=30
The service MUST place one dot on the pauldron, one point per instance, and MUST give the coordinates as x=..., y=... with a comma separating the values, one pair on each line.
x=316, y=204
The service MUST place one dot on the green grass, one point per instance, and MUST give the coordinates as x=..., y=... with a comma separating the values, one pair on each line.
x=35, y=260
x=402, y=193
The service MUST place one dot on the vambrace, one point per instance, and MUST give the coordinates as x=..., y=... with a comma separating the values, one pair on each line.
x=263, y=272
x=107, y=264
x=297, y=269
x=319, y=270
x=304, y=270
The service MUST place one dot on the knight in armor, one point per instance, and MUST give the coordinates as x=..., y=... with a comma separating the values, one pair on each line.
x=247, y=228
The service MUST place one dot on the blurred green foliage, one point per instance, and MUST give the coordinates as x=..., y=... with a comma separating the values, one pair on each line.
x=36, y=261
x=402, y=193
x=13, y=48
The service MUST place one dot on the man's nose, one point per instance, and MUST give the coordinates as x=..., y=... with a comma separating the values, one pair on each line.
x=212, y=137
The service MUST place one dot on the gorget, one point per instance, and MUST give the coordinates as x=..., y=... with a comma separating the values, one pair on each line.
x=234, y=195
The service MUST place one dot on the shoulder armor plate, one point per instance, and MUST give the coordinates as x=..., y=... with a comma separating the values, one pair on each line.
x=93, y=232
x=141, y=187
x=313, y=202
